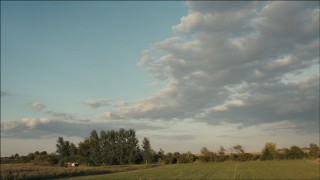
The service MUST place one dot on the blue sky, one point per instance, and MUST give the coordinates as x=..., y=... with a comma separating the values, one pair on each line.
x=185, y=74
x=93, y=47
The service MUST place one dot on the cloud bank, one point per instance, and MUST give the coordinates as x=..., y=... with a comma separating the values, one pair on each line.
x=235, y=62
x=39, y=128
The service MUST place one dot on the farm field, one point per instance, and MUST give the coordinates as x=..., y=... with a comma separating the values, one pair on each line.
x=31, y=171
x=285, y=169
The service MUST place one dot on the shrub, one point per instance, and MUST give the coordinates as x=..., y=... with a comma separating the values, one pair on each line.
x=269, y=151
x=295, y=153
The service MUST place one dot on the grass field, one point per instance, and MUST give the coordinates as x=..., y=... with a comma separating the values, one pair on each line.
x=284, y=169
x=291, y=169
x=31, y=171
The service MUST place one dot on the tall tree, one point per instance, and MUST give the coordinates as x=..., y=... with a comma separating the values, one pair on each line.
x=121, y=146
x=95, y=148
x=73, y=149
x=146, y=150
x=132, y=148
x=63, y=147
x=84, y=148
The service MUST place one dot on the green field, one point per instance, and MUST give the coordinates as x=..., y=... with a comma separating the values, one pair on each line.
x=285, y=169
x=32, y=171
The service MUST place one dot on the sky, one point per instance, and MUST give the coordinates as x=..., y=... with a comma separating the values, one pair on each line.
x=185, y=74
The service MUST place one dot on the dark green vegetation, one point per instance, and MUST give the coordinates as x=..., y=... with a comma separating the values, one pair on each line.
x=286, y=169
x=110, y=148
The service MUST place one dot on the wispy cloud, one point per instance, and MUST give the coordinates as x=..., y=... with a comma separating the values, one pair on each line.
x=96, y=103
x=65, y=116
x=36, y=106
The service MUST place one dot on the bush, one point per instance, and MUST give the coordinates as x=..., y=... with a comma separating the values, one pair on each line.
x=61, y=163
x=186, y=158
x=295, y=153
x=269, y=151
x=255, y=157
x=245, y=157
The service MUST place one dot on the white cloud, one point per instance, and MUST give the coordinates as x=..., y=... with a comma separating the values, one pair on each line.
x=36, y=106
x=228, y=62
x=30, y=123
x=145, y=58
x=95, y=103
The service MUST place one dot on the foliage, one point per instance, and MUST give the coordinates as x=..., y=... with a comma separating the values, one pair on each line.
x=160, y=155
x=295, y=153
x=110, y=148
x=314, y=151
x=147, y=152
x=122, y=147
x=170, y=159
x=238, y=148
x=269, y=152
x=187, y=157
x=221, y=154
x=62, y=147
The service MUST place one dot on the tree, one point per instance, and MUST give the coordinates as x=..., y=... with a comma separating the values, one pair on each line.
x=52, y=159
x=187, y=157
x=37, y=152
x=205, y=154
x=160, y=155
x=132, y=146
x=169, y=159
x=31, y=156
x=43, y=153
x=94, y=148
x=176, y=157
x=314, y=151
x=62, y=147
x=240, y=154
x=208, y=156
x=73, y=149
x=205, y=151
x=221, y=153
x=16, y=156
x=146, y=150
x=84, y=152
x=238, y=148
x=295, y=153
x=269, y=152
x=84, y=148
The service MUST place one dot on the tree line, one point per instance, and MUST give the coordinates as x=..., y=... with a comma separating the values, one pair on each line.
x=106, y=148
x=122, y=147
